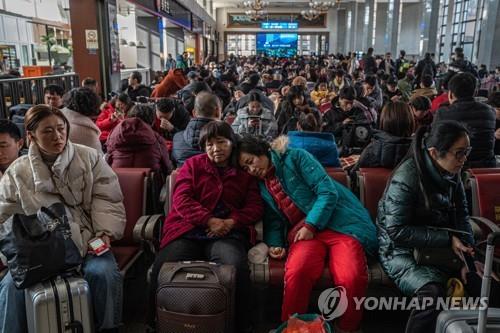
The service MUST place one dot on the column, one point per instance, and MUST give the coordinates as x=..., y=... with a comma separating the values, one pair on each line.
x=489, y=43
x=353, y=34
x=429, y=26
x=392, y=30
x=368, y=24
x=103, y=63
x=449, y=28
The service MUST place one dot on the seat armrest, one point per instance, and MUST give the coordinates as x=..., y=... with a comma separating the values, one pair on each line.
x=148, y=229
x=479, y=226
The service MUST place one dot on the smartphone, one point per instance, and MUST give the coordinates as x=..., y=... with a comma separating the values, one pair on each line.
x=98, y=246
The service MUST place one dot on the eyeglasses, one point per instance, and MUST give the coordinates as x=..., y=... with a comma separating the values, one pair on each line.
x=462, y=153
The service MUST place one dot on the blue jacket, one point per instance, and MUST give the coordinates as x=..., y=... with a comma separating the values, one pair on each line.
x=326, y=203
x=320, y=145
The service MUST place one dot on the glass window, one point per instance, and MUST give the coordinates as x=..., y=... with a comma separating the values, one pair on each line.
x=468, y=50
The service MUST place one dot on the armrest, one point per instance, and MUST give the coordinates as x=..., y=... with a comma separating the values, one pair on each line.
x=479, y=224
x=259, y=229
x=148, y=229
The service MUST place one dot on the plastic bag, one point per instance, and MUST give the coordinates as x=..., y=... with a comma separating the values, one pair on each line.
x=295, y=325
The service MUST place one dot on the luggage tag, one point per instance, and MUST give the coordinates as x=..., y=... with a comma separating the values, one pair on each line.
x=98, y=246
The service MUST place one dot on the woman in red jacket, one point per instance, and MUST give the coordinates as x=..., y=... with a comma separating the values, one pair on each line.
x=215, y=205
x=111, y=115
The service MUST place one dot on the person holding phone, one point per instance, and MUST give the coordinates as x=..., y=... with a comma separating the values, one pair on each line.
x=57, y=170
x=255, y=119
x=112, y=114
x=424, y=206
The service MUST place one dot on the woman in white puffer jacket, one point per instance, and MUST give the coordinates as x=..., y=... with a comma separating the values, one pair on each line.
x=57, y=170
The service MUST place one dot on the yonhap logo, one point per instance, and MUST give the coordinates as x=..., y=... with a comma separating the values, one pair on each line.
x=333, y=303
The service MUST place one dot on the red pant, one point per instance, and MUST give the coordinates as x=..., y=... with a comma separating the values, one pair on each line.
x=305, y=264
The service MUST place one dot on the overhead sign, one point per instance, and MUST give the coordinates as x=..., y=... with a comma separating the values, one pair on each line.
x=163, y=6
x=279, y=25
x=91, y=39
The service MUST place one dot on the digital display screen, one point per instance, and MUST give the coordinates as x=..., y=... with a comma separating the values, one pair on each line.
x=279, y=25
x=277, y=45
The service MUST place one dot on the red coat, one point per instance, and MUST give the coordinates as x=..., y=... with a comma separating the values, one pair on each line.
x=436, y=102
x=173, y=82
x=197, y=191
x=105, y=123
x=134, y=144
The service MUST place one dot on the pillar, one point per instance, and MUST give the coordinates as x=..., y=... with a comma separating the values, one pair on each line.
x=368, y=24
x=429, y=26
x=489, y=43
x=392, y=29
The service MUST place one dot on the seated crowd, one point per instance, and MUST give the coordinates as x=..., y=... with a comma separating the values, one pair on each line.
x=250, y=139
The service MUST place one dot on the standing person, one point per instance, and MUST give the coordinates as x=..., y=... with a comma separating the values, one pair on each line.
x=56, y=168
x=310, y=216
x=424, y=196
x=135, y=86
x=170, y=63
x=369, y=63
x=388, y=65
x=426, y=66
x=215, y=205
x=402, y=65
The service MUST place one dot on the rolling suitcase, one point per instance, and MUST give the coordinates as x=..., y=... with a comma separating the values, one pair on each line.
x=59, y=305
x=195, y=297
x=483, y=320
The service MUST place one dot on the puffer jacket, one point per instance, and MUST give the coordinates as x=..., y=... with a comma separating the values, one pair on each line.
x=326, y=203
x=267, y=128
x=406, y=222
x=480, y=120
x=81, y=177
x=321, y=145
x=83, y=130
x=187, y=143
x=385, y=151
x=134, y=144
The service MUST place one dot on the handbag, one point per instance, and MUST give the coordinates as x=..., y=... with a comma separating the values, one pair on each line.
x=39, y=246
x=442, y=258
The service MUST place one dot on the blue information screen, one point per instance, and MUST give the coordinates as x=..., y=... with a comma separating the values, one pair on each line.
x=281, y=45
x=279, y=25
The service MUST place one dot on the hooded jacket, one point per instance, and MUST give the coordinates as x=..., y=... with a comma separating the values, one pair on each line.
x=321, y=145
x=134, y=144
x=80, y=176
x=187, y=143
x=83, y=130
x=173, y=82
x=325, y=203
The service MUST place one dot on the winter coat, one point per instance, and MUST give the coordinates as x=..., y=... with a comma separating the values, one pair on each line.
x=376, y=98
x=439, y=101
x=83, y=130
x=426, y=120
x=186, y=143
x=89, y=187
x=405, y=222
x=134, y=144
x=317, y=96
x=180, y=119
x=105, y=123
x=480, y=120
x=198, y=189
x=141, y=90
x=369, y=65
x=385, y=151
x=333, y=118
x=326, y=203
x=288, y=115
x=321, y=145
x=267, y=128
x=427, y=92
x=173, y=82
x=265, y=101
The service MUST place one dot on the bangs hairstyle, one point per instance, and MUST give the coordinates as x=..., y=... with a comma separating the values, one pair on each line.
x=38, y=113
x=214, y=129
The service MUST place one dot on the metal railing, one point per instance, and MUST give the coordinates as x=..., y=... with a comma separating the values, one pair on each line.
x=30, y=90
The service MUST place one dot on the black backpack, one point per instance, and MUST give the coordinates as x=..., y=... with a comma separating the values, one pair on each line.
x=428, y=69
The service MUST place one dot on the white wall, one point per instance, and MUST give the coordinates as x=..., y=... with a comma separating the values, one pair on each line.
x=222, y=26
x=127, y=31
x=50, y=10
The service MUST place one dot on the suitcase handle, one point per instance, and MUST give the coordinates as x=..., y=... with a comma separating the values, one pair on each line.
x=494, y=238
x=174, y=271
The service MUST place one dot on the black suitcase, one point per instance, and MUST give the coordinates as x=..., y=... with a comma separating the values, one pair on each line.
x=195, y=297
x=483, y=320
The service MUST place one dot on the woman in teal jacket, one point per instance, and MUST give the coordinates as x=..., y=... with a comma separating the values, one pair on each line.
x=317, y=218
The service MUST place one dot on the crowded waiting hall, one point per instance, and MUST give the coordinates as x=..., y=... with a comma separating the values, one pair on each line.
x=226, y=166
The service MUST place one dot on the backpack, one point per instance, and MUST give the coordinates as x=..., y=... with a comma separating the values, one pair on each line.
x=428, y=69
